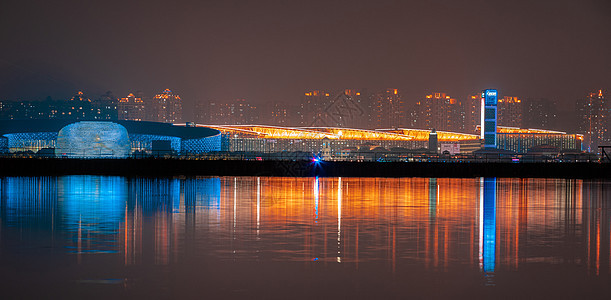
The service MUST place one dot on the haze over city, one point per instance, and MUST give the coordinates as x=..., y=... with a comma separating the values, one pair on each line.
x=312, y=149
x=275, y=51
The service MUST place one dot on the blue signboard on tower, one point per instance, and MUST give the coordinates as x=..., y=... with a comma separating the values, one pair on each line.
x=489, y=116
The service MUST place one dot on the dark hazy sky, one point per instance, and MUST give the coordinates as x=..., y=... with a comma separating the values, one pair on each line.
x=275, y=50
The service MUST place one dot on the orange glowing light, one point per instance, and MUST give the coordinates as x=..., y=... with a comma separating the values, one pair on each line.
x=442, y=136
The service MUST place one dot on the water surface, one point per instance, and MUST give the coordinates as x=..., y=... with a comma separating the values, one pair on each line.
x=287, y=238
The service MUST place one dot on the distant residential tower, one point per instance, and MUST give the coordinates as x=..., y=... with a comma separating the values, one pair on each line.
x=166, y=107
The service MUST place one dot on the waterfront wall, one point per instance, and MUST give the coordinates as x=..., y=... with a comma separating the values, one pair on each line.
x=178, y=167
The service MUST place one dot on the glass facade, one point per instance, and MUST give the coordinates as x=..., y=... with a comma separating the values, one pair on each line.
x=3, y=144
x=489, y=118
x=202, y=145
x=249, y=144
x=93, y=140
x=144, y=142
x=103, y=139
x=30, y=141
x=521, y=142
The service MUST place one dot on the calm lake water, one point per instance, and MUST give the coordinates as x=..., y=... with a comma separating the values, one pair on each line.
x=304, y=238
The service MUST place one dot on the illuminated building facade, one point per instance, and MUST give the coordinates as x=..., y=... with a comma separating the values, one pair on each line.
x=238, y=111
x=350, y=108
x=333, y=140
x=521, y=140
x=105, y=107
x=78, y=107
x=471, y=110
x=387, y=109
x=92, y=140
x=593, y=120
x=467, y=143
x=441, y=112
x=489, y=118
x=343, y=108
x=279, y=114
x=312, y=109
x=510, y=111
x=166, y=107
x=20, y=110
x=131, y=108
x=104, y=139
x=270, y=139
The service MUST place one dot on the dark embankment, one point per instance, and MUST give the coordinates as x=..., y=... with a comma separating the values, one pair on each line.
x=175, y=167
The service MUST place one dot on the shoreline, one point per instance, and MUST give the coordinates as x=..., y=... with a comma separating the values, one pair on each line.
x=300, y=168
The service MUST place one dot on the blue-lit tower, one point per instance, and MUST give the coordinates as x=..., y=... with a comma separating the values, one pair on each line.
x=487, y=229
x=489, y=115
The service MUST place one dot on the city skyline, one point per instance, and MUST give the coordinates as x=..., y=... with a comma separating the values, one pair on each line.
x=318, y=149
x=266, y=51
x=350, y=109
x=365, y=108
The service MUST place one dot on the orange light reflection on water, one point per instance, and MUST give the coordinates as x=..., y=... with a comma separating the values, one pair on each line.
x=434, y=223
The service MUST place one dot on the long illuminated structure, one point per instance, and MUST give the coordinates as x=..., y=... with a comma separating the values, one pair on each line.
x=93, y=139
x=266, y=138
x=520, y=140
x=401, y=134
x=273, y=132
x=442, y=136
x=34, y=135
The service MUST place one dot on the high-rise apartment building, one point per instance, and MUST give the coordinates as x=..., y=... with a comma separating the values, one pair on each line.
x=21, y=110
x=387, y=109
x=351, y=108
x=471, y=110
x=105, y=107
x=79, y=107
x=131, y=108
x=279, y=114
x=540, y=114
x=243, y=112
x=237, y=112
x=510, y=112
x=592, y=120
x=440, y=112
x=312, y=109
x=165, y=107
x=202, y=113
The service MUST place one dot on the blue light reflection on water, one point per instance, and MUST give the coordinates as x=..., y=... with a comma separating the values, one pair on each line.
x=203, y=192
x=25, y=203
x=316, y=195
x=488, y=224
x=399, y=225
x=90, y=211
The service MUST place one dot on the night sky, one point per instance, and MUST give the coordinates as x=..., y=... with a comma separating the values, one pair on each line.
x=276, y=50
